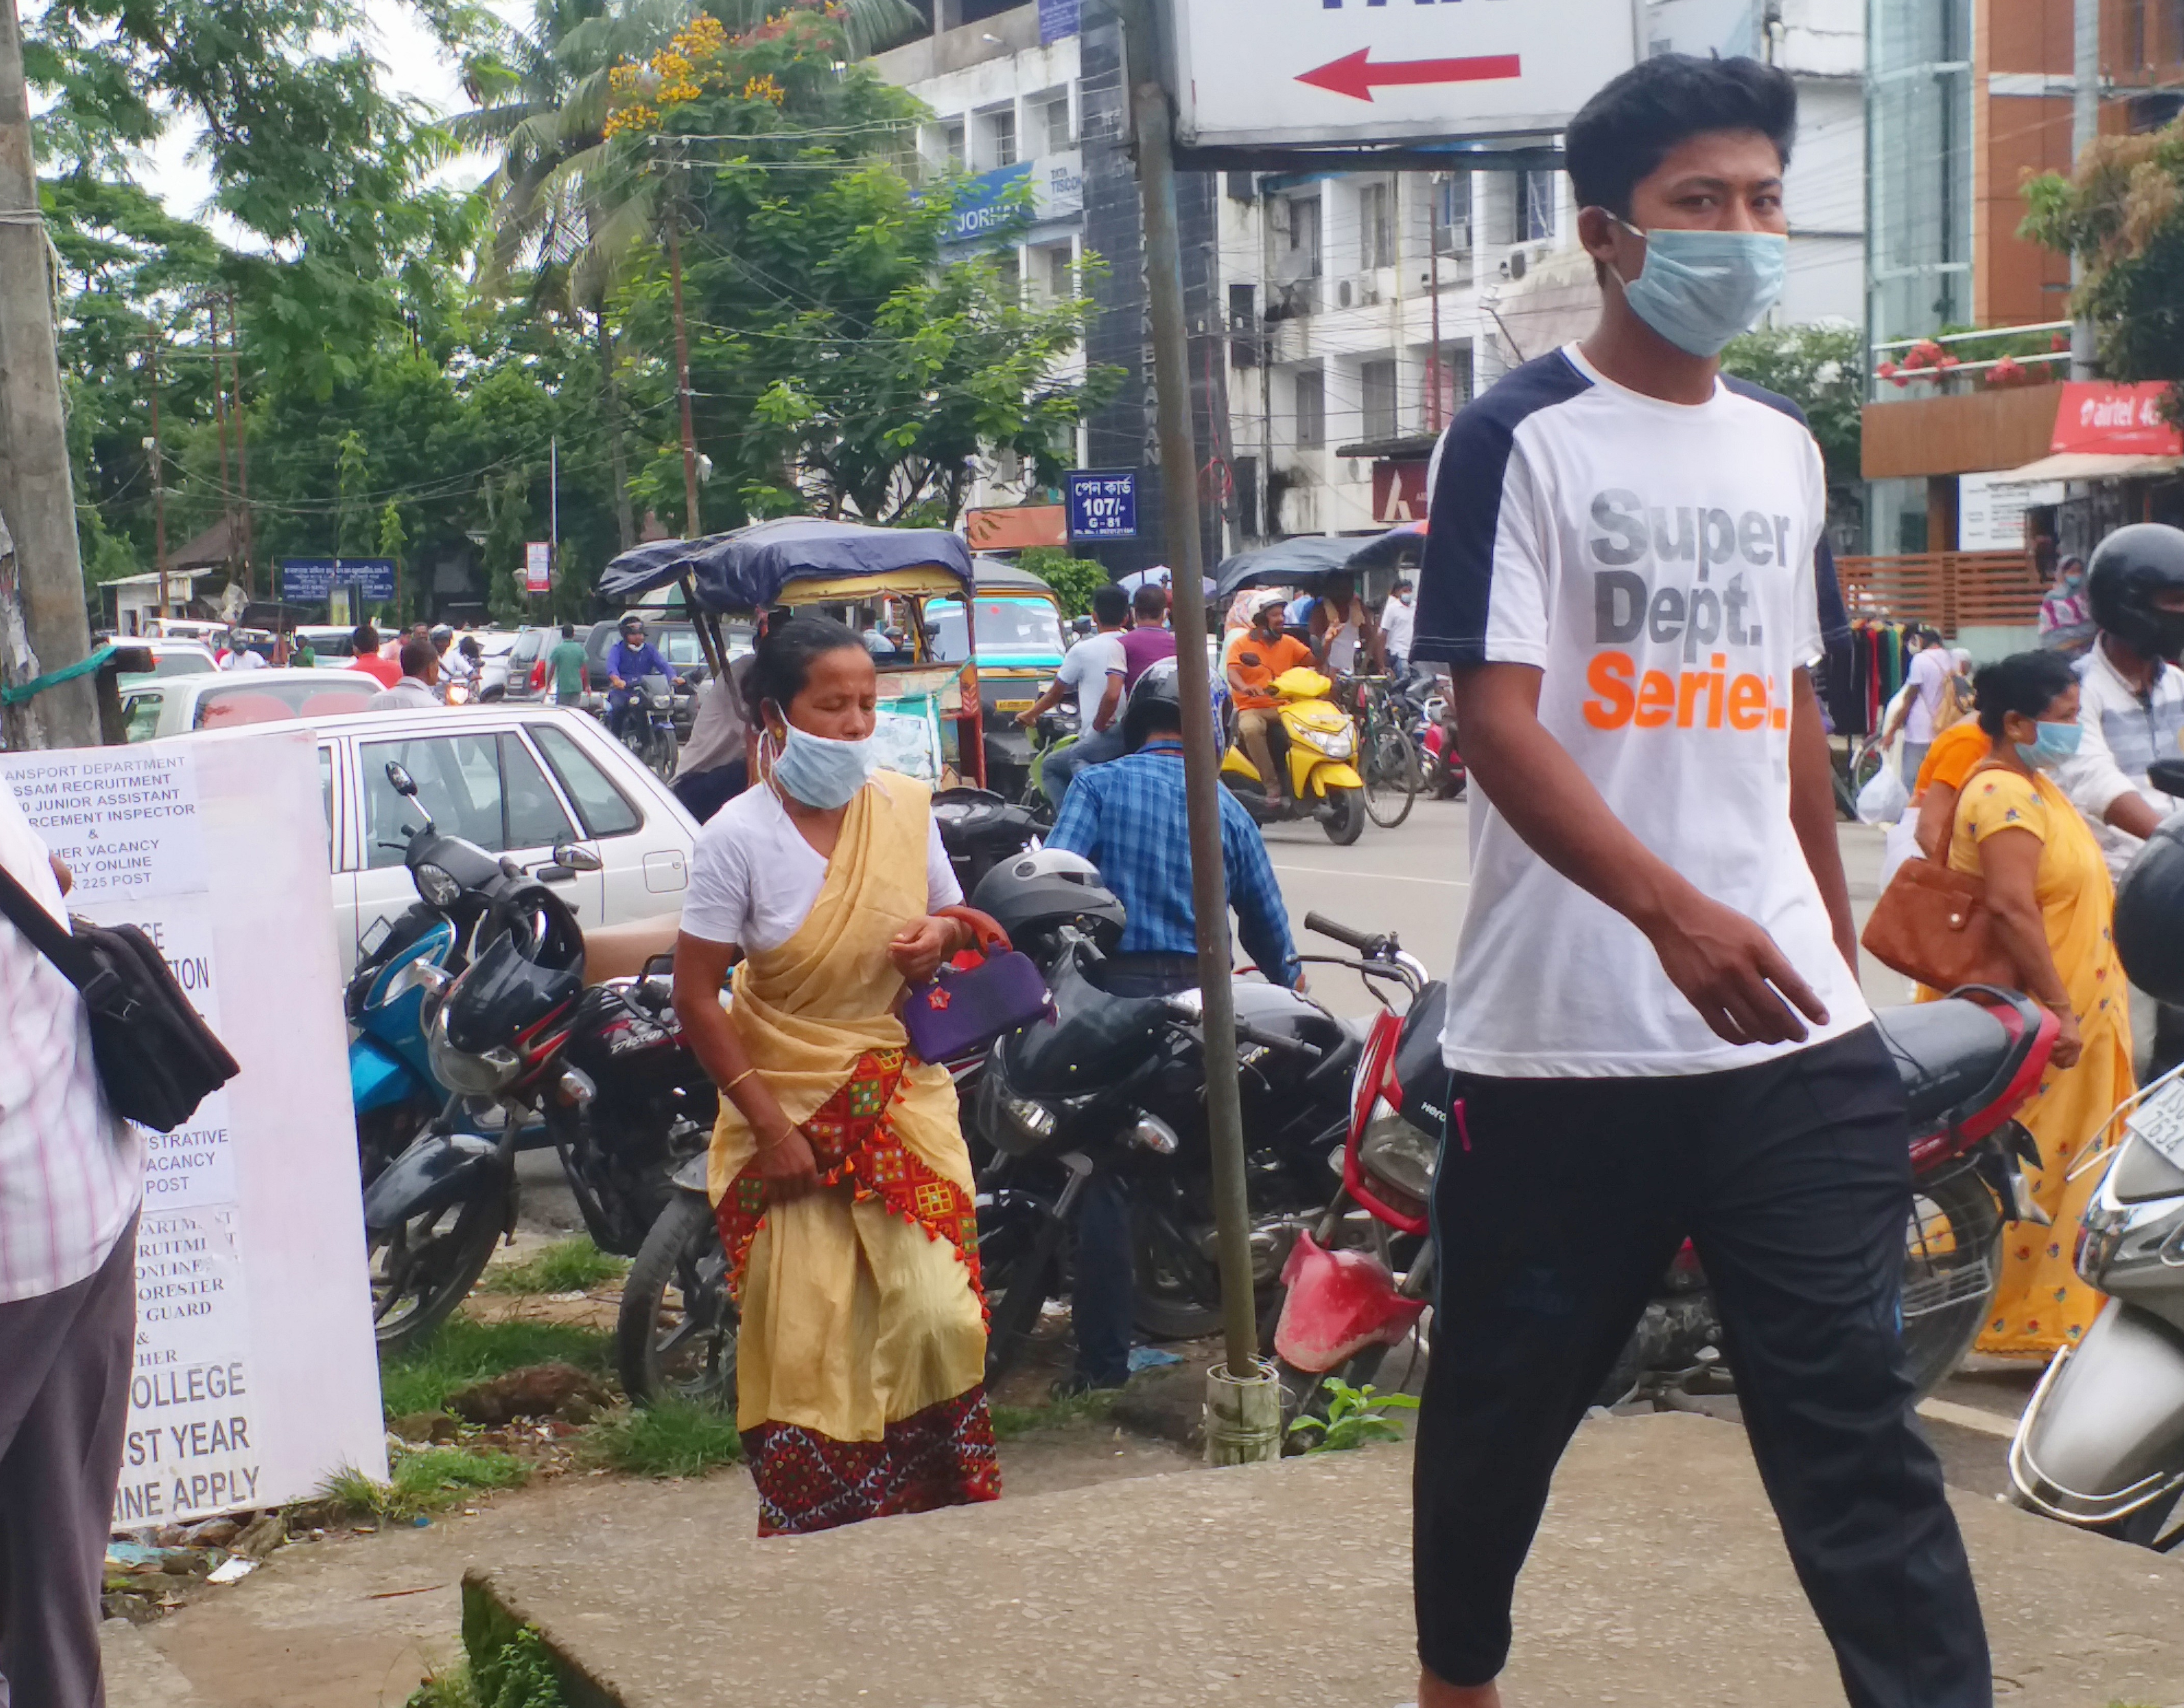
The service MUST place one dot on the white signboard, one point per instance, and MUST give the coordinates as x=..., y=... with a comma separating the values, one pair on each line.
x=538, y=566
x=256, y=1374
x=1296, y=73
x=1991, y=511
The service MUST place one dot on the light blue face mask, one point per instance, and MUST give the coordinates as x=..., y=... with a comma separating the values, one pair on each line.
x=1700, y=289
x=821, y=772
x=2057, y=742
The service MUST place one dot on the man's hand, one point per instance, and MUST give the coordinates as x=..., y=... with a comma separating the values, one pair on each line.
x=918, y=952
x=1026, y=718
x=1731, y=972
x=2069, y=1043
x=788, y=1167
x=617, y=682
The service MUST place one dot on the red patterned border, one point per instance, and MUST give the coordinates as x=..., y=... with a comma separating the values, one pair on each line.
x=942, y=1456
x=854, y=1141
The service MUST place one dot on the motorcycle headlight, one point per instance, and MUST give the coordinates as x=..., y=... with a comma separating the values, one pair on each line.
x=436, y=885
x=475, y=1076
x=1333, y=744
x=1035, y=1121
x=1397, y=1154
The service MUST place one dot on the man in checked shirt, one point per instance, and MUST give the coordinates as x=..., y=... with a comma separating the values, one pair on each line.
x=70, y=1179
x=1127, y=817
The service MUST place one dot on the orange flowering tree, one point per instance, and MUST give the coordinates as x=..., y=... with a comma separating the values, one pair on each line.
x=845, y=360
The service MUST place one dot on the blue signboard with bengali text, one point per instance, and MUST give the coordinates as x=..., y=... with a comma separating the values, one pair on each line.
x=1103, y=503
x=312, y=580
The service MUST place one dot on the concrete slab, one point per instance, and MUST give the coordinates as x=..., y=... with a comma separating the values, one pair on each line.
x=1659, y=1582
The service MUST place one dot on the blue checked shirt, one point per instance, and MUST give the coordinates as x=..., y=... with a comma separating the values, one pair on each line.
x=1127, y=817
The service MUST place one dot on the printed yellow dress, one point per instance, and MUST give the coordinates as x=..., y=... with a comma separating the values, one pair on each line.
x=2041, y=1305
x=862, y=1356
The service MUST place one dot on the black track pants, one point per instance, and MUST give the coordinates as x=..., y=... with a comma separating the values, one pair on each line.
x=1558, y=1205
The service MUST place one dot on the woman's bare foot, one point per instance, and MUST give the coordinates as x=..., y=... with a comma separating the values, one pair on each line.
x=1434, y=1694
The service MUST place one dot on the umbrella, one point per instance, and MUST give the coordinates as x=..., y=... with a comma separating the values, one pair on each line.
x=1402, y=547
x=1160, y=576
x=1306, y=561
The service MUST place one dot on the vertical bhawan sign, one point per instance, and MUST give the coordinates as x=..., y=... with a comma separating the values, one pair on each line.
x=1275, y=74
x=194, y=841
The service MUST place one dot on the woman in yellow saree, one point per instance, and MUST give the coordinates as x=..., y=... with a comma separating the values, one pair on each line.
x=837, y=1171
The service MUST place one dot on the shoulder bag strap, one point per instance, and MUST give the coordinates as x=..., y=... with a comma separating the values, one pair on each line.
x=46, y=935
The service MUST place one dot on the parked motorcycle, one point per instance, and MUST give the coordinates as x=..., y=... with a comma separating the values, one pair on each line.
x=532, y=1060
x=1118, y=1082
x=1359, y=1284
x=1316, y=740
x=2102, y=1445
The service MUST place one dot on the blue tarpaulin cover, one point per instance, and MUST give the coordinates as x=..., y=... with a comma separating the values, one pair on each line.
x=747, y=569
x=1304, y=561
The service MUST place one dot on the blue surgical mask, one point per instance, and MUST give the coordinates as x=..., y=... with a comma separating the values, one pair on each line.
x=1700, y=289
x=2057, y=742
x=821, y=772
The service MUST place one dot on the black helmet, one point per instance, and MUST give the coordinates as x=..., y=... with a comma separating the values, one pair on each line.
x=1155, y=700
x=1036, y=893
x=2149, y=915
x=2130, y=567
x=488, y=1026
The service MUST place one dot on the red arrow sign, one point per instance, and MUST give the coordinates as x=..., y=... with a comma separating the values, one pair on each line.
x=1356, y=74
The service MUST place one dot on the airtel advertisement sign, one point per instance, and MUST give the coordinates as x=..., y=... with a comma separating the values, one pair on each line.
x=2113, y=420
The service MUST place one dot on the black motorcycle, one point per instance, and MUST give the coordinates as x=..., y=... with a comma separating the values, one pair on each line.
x=533, y=1060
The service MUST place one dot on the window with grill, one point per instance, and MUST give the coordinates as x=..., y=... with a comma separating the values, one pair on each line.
x=1376, y=222
x=1311, y=408
x=1536, y=206
x=1376, y=384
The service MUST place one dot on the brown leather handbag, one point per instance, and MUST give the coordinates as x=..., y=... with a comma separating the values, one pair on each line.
x=1933, y=925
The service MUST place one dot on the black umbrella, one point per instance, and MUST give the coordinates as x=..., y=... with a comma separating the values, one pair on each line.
x=1306, y=561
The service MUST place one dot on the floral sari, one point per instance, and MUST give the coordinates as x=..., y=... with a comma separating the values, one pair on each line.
x=862, y=1355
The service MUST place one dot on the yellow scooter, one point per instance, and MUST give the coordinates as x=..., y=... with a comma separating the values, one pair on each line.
x=1316, y=740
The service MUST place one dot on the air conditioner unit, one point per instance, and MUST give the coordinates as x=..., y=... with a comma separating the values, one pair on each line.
x=1522, y=258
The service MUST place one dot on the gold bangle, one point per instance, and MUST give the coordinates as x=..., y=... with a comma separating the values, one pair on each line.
x=780, y=1139
x=738, y=1079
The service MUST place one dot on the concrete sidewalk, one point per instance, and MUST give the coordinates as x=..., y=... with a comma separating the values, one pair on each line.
x=1659, y=1582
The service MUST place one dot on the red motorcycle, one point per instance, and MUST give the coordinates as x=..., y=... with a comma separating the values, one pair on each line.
x=1359, y=1285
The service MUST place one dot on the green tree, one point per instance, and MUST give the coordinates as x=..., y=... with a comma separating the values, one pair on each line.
x=1073, y=579
x=2121, y=213
x=1822, y=370
x=841, y=365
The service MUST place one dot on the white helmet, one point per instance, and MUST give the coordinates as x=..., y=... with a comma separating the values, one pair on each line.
x=1272, y=596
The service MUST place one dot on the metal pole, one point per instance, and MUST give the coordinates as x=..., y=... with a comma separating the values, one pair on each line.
x=158, y=478
x=553, y=513
x=51, y=630
x=682, y=382
x=219, y=426
x=2085, y=129
x=1201, y=758
x=1434, y=420
x=242, y=450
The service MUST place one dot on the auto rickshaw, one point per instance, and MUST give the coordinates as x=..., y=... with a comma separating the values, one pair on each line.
x=1020, y=645
x=803, y=561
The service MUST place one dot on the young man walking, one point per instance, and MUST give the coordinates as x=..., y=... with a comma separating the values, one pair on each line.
x=1655, y=1024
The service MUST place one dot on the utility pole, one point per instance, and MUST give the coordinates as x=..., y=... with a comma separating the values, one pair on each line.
x=158, y=474
x=242, y=449
x=43, y=626
x=552, y=512
x=2084, y=130
x=683, y=382
x=1243, y=1399
x=220, y=425
x=1434, y=420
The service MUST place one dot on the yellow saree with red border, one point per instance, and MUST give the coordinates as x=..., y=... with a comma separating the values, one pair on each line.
x=862, y=1355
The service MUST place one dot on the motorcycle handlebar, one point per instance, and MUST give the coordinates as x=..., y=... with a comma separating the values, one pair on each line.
x=1362, y=942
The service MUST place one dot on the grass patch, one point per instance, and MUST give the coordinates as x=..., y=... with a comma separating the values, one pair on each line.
x=673, y=1438
x=430, y=1480
x=1013, y=1421
x=462, y=1352
x=450, y=1689
x=569, y=1266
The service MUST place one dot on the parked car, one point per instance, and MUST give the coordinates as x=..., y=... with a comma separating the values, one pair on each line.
x=331, y=643
x=175, y=705
x=514, y=779
x=168, y=658
x=495, y=645
x=524, y=678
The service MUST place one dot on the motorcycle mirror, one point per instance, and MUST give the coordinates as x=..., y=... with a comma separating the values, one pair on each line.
x=401, y=781
x=2167, y=775
x=575, y=857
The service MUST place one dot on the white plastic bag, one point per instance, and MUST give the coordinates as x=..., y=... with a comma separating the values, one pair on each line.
x=1882, y=800
x=1901, y=844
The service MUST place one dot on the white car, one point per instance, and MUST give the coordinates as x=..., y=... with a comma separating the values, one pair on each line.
x=168, y=658
x=514, y=779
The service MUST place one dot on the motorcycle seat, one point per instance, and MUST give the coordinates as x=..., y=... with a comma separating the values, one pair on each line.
x=1946, y=1053
x=620, y=952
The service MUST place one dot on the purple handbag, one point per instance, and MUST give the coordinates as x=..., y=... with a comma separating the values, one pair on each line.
x=963, y=1010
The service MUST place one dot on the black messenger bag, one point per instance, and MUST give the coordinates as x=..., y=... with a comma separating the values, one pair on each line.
x=156, y=1057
